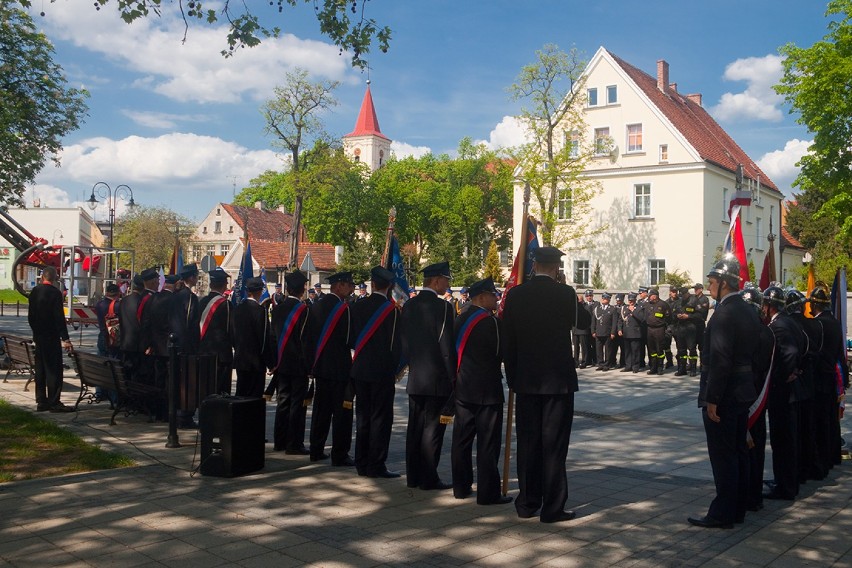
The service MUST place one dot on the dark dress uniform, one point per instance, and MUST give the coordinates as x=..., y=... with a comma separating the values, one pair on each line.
x=479, y=408
x=216, y=337
x=591, y=344
x=686, y=333
x=757, y=430
x=144, y=369
x=131, y=333
x=629, y=327
x=657, y=313
x=47, y=320
x=603, y=328
x=826, y=399
x=428, y=345
x=184, y=321
x=803, y=389
x=731, y=340
x=331, y=370
x=580, y=341
x=537, y=318
x=374, y=368
x=254, y=347
x=702, y=309
x=161, y=307
x=291, y=375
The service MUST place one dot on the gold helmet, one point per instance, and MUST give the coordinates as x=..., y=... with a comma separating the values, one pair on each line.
x=821, y=294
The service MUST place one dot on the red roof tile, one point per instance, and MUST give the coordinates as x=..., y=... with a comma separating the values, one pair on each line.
x=367, y=123
x=788, y=240
x=268, y=225
x=697, y=126
x=274, y=254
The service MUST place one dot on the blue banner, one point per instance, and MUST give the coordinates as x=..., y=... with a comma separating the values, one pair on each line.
x=265, y=294
x=400, y=287
x=246, y=272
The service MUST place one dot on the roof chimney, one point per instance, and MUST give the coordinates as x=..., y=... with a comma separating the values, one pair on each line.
x=695, y=97
x=258, y=205
x=662, y=75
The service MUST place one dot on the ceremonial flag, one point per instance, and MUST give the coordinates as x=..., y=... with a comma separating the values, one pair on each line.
x=265, y=294
x=162, y=282
x=528, y=244
x=246, y=272
x=838, y=302
x=741, y=198
x=176, y=261
x=400, y=289
x=810, y=288
x=735, y=245
x=767, y=275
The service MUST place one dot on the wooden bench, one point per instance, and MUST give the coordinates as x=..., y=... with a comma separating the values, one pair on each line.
x=131, y=397
x=20, y=351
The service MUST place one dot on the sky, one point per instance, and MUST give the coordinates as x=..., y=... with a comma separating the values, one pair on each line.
x=181, y=125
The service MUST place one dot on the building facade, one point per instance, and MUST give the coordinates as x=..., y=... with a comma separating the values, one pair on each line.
x=366, y=143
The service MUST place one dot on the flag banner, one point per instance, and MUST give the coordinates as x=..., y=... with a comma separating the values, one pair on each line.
x=767, y=275
x=811, y=286
x=838, y=303
x=400, y=289
x=735, y=245
x=162, y=280
x=265, y=294
x=740, y=198
x=531, y=243
x=246, y=272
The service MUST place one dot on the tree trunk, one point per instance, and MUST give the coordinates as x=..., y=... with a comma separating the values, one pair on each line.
x=294, y=233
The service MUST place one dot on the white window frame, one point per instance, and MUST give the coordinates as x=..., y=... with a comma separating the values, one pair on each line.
x=592, y=93
x=758, y=236
x=640, y=212
x=572, y=142
x=224, y=249
x=578, y=270
x=599, y=135
x=664, y=153
x=656, y=271
x=612, y=89
x=564, y=201
x=628, y=148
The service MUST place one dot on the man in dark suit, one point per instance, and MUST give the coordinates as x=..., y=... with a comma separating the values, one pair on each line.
x=479, y=397
x=375, y=340
x=537, y=320
x=216, y=329
x=726, y=390
x=145, y=313
x=629, y=328
x=50, y=334
x=603, y=330
x=185, y=315
x=290, y=323
x=254, y=346
x=162, y=306
x=428, y=344
x=332, y=363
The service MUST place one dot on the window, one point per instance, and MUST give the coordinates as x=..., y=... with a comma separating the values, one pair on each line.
x=611, y=95
x=642, y=200
x=758, y=230
x=657, y=268
x=218, y=211
x=572, y=142
x=725, y=204
x=593, y=97
x=230, y=228
x=581, y=272
x=217, y=227
x=601, y=141
x=211, y=250
x=204, y=230
x=634, y=137
x=664, y=152
x=225, y=249
x=563, y=205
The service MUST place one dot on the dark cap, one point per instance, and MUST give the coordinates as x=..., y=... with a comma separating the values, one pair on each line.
x=654, y=292
x=606, y=296
x=486, y=285
x=254, y=284
x=589, y=292
x=295, y=279
x=172, y=278
x=312, y=291
x=189, y=271
x=380, y=275
x=549, y=255
x=112, y=288
x=683, y=290
x=149, y=274
x=643, y=289
x=138, y=282
x=362, y=286
x=317, y=285
x=631, y=296
x=619, y=296
x=340, y=277
x=278, y=285
x=437, y=269
x=218, y=275
x=698, y=285
x=464, y=290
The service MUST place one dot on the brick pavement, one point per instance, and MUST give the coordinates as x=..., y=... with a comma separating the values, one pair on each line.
x=637, y=468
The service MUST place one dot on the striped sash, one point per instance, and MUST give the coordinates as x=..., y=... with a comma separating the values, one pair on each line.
x=287, y=330
x=329, y=326
x=373, y=324
x=142, y=303
x=466, y=330
x=207, y=314
x=758, y=405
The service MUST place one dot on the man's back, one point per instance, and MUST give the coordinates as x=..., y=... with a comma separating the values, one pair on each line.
x=428, y=344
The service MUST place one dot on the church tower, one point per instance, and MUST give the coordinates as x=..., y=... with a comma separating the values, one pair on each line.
x=366, y=143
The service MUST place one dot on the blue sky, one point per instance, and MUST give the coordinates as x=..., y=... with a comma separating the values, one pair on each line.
x=181, y=125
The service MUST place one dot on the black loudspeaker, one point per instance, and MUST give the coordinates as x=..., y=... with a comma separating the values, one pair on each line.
x=233, y=432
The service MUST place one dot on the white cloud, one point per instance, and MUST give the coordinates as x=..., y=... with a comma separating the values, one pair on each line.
x=193, y=71
x=780, y=165
x=160, y=119
x=758, y=101
x=508, y=133
x=402, y=150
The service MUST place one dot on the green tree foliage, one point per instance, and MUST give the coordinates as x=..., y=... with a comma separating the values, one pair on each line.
x=597, y=278
x=344, y=22
x=492, y=263
x=359, y=258
x=816, y=86
x=677, y=278
x=150, y=233
x=37, y=108
x=554, y=161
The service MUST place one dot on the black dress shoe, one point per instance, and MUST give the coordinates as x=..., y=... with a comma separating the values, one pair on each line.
x=625, y=370
x=345, y=462
x=560, y=517
x=386, y=474
x=440, y=486
x=756, y=507
x=777, y=496
x=319, y=457
x=462, y=493
x=297, y=452
x=501, y=500
x=527, y=515
x=42, y=407
x=709, y=523
x=59, y=407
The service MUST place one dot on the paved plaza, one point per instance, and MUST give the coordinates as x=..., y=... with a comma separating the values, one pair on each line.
x=637, y=468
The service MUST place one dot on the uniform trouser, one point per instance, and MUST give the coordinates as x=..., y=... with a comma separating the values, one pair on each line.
x=617, y=357
x=424, y=440
x=48, y=371
x=756, y=461
x=224, y=370
x=543, y=433
x=728, y=451
x=633, y=352
x=825, y=405
x=329, y=413
x=250, y=382
x=591, y=359
x=784, y=439
x=656, y=346
x=581, y=347
x=485, y=423
x=374, y=421
x=603, y=346
x=687, y=346
x=290, y=413
x=807, y=446
x=139, y=366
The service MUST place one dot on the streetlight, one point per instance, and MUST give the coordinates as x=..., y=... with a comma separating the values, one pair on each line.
x=110, y=196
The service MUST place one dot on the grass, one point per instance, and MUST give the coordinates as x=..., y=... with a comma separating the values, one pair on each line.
x=11, y=296
x=31, y=447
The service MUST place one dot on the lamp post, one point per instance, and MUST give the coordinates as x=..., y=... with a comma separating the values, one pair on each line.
x=110, y=195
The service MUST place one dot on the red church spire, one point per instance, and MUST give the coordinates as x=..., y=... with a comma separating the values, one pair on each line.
x=367, y=123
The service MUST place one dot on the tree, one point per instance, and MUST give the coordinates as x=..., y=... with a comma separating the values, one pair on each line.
x=343, y=21
x=292, y=118
x=597, y=278
x=150, y=233
x=492, y=263
x=37, y=108
x=816, y=86
x=677, y=278
x=554, y=161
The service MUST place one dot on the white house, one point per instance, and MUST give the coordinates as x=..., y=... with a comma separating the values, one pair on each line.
x=666, y=183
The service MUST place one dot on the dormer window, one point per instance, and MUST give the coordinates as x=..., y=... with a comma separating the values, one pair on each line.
x=218, y=211
x=203, y=230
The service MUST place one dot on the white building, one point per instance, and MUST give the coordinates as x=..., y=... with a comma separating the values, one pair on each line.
x=666, y=184
x=366, y=143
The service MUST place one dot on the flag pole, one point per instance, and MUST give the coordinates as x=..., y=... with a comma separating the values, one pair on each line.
x=391, y=221
x=521, y=259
